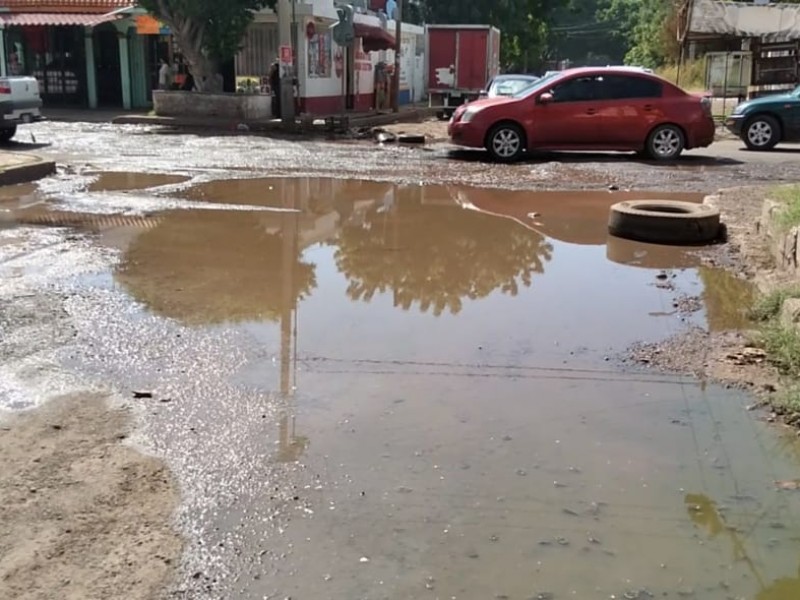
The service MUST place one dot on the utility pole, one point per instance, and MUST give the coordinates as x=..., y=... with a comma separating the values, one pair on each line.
x=398, y=30
x=286, y=61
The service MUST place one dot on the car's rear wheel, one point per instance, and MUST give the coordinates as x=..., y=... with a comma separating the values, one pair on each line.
x=506, y=142
x=7, y=134
x=762, y=132
x=665, y=142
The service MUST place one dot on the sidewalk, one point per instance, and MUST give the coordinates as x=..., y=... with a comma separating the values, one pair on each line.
x=85, y=115
x=316, y=124
x=320, y=124
x=17, y=167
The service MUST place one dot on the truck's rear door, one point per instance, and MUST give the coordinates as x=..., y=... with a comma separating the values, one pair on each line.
x=471, y=69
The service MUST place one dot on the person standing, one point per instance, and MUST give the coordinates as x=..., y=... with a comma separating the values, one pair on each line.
x=188, y=82
x=275, y=88
x=164, y=76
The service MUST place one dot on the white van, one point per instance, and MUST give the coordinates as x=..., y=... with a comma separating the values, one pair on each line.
x=20, y=102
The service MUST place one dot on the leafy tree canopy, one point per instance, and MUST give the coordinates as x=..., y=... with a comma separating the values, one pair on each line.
x=208, y=31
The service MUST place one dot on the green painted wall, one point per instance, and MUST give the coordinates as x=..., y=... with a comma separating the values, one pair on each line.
x=91, y=73
x=139, y=95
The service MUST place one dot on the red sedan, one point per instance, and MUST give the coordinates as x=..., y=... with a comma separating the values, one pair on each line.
x=611, y=108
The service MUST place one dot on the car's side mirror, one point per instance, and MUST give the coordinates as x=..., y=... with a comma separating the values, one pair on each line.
x=545, y=98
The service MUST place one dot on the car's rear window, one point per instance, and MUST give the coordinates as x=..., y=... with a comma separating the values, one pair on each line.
x=623, y=86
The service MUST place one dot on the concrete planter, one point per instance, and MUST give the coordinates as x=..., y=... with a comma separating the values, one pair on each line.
x=783, y=243
x=237, y=107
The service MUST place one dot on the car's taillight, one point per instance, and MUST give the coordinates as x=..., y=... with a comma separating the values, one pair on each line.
x=5, y=86
x=706, y=104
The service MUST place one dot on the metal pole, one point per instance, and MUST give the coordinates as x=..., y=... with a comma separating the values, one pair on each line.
x=398, y=30
x=725, y=86
x=295, y=50
x=287, y=77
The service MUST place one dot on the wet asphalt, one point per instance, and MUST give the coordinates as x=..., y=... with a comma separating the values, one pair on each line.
x=375, y=377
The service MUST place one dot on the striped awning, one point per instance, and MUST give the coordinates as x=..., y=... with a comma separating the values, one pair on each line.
x=70, y=6
x=56, y=19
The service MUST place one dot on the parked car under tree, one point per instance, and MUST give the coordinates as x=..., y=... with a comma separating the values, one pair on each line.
x=601, y=109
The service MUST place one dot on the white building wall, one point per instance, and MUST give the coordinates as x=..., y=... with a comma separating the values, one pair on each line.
x=321, y=86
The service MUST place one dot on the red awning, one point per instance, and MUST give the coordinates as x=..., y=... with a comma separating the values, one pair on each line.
x=374, y=37
x=56, y=19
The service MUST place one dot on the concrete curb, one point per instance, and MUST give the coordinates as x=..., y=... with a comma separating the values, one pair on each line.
x=354, y=121
x=37, y=168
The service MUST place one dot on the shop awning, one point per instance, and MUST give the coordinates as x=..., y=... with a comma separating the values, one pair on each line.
x=56, y=19
x=373, y=37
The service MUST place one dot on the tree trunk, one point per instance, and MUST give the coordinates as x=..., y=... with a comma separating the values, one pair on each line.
x=204, y=70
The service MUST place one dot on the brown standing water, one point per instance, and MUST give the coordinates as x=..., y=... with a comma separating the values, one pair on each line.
x=442, y=414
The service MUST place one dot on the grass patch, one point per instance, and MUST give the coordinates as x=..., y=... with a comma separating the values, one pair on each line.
x=768, y=307
x=782, y=345
x=692, y=74
x=787, y=401
x=789, y=216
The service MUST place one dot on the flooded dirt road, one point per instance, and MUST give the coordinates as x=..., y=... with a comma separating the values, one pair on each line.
x=387, y=390
x=141, y=148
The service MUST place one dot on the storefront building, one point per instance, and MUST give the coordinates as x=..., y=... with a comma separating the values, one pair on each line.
x=332, y=79
x=107, y=53
x=84, y=53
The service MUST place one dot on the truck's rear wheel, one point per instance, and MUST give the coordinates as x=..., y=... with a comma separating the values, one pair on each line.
x=7, y=133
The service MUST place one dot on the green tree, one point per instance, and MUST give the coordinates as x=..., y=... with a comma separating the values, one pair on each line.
x=579, y=35
x=208, y=32
x=647, y=27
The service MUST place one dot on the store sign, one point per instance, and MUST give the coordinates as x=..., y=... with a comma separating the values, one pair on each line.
x=148, y=25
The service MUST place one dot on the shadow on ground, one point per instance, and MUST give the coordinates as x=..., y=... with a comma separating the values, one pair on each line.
x=596, y=157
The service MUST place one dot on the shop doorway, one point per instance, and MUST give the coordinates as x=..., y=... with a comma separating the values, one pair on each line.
x=157, y=49
x=107, y=66
x=55, y=56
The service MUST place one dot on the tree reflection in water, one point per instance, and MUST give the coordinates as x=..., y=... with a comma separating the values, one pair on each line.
x=436, y=256
x=210, y=267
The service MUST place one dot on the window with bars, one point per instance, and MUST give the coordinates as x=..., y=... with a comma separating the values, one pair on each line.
x=259, y=50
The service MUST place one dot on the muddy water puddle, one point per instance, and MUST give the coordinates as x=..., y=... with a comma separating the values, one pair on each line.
x=108, y=181
x=449, y=415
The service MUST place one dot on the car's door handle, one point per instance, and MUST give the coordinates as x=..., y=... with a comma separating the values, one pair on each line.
x=591, y=111
x=648, y=107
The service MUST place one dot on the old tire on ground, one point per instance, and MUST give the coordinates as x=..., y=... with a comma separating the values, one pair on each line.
x=7, y=133
x=506, y=142
x=665, y=142
x=410, y=138
x=762, y=132
x=664, y=222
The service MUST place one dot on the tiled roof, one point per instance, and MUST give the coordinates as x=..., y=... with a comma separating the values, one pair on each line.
x=27, y=19
x=65, y=6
